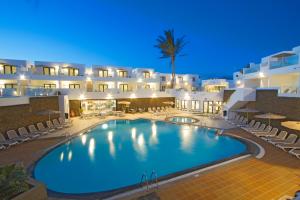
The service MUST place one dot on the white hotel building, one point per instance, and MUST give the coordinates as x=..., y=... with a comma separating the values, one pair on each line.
x=24, y=79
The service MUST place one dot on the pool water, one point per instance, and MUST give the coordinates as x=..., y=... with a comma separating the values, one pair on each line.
x=182, y=119
x=116, y=154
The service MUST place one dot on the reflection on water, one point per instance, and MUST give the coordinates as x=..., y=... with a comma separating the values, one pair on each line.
x=83, y=139
x=61, y=158
x=186, y=136
x=133, y=134
x=112, y=149
x=92, y=148
x=70, y=155
x=104, y=126
x=153, y=138
x=140, y=146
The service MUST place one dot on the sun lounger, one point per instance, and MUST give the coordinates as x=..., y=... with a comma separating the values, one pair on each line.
x=280, y=137
x=23, y=132
x=12, y=135
x=260, y=129
x=272, y=133
x=32, y=129
x=284, y=146
x=63, y=122
x=255, y=127
x=295, y=152
x=50, y=126
x=243, y=122
x=56, y=124
x=2, y=147
x=291, y=139
x=240, y=119
x=249, y=125
x=4, y=141
x=41, y=127
x=266, y=130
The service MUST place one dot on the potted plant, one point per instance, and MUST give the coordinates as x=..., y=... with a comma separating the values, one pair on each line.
x=12, y=181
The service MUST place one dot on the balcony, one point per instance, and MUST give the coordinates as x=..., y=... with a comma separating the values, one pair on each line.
x=254, y=68
x=284, y=62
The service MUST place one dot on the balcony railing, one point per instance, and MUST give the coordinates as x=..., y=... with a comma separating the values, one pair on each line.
x=252, y=69
x=283, y=62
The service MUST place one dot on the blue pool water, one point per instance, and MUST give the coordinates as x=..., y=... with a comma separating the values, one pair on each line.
x=117, y=153
x=182, y=120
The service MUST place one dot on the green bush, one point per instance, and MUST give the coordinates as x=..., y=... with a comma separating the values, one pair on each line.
x=12, y=181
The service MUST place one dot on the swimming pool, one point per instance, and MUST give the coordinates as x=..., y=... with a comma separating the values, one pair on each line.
x=183, y=120
x=114, y=155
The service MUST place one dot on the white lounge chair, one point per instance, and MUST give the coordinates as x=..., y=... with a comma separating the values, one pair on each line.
x=261, y=128
x=280, y=137
x=285, y=147
x=2, y=147
x=23, y=132
x=12, y=135
x=272, y=133
x=32, y=130
x=41, y=127
x=57, y=124
x=295, y=152
x=50, y=126
x=4, y=141
x=291, y=139
x=63, y=122
x=255, y=127
x=266, y=130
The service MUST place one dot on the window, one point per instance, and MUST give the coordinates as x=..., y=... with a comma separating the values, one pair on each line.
x=180, y=78
x=146, y=74
x=163, y=88
x=123, y=87
x=9, y=69
x=74, y=86
x=49, y=86
x=193, y=79
x=73, y=72
x=195, y=105
x=163, y=78
x=122, y=73
x=184, y=104
x=194, y=88
x=177, y=103
x=147, y=86
x=103, y=87
x=103, y=73
x=218, y=105
x=208, y=106
x=10, y=86
x=49, y=71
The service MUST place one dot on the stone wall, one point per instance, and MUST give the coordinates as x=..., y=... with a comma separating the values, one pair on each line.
x=13, y=117
x=227, y=94
x=269, y=101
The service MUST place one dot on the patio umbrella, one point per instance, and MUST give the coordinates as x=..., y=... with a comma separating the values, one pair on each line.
x=246, y=110
x=123, y=102
x=270, y=116
x=295, y=125
x=48, y=112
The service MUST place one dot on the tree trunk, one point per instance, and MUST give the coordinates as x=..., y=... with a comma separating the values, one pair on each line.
x=173, y=72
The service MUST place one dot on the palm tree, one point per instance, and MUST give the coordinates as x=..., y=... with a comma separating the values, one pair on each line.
x=170, y=48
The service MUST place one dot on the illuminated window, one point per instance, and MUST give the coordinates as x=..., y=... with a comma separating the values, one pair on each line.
x=73, y=72
x=195, y=105
x=147, y=86
x=74, y=86
x=103, y=73
x=9, y=69
x=10, y=86
x=184, y=104
x=122, y=73
x=146, y=74
x=49, y=71
x=49, y=86
x=103, y=87
x=123, y=87
x=162, y=88
x=163, y=78
x=208, y=106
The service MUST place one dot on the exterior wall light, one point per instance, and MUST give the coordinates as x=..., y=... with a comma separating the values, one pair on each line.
x=81, y=97
x=238, y=82
x=22, y=77
x=261, y=74
x=88, y=79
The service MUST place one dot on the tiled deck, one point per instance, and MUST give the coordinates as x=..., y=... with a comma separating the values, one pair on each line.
x=275, y=175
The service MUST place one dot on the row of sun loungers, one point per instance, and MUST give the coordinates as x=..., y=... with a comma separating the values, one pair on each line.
x=22, y=134
x=160, y=110
x=280, y=139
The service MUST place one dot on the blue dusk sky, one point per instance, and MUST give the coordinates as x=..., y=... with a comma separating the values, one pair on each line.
x=223, y=35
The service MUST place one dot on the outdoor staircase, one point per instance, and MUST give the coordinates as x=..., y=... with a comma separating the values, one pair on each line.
x=239, y=98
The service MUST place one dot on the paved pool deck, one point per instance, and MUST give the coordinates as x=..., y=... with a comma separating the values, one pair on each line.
x=271, y=177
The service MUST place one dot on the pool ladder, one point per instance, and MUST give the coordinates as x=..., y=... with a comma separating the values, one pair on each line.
x=151, y=183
